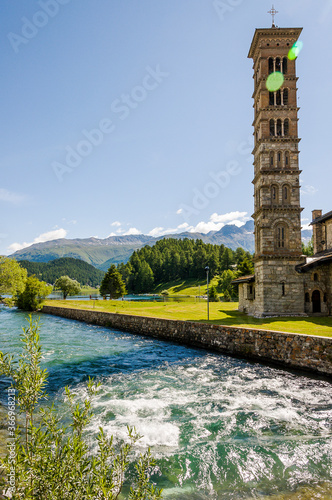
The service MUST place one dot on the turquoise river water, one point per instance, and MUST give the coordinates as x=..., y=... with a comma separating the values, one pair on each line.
x=220, y=428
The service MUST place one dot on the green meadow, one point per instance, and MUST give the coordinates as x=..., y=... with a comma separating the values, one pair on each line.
x=221, y=313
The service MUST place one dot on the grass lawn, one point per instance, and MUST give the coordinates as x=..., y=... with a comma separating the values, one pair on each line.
x=221, y=313
x=193, y=287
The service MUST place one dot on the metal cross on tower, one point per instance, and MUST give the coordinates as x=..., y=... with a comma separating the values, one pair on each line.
x=273, y=12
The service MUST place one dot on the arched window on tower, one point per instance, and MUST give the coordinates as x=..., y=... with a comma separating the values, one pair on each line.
x=279, y=162
x=287, y=162
x=286, y=127
x=272, y=159
x=285, y=97
x=278, y=64
x=271, y=65
x=271, y=98
x=279, y=128
x=278, y=97
x=285, y=195
x=272, y=131
x=285, y=65
x=274, y=194
x=281, y=236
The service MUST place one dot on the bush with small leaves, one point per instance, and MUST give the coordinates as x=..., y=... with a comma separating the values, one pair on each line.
x=54, y=462
x=213, y=294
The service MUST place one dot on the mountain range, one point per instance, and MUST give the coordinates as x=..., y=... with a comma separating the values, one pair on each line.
x=101, y=253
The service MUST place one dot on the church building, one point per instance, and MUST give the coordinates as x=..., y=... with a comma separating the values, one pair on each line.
x=285, y=282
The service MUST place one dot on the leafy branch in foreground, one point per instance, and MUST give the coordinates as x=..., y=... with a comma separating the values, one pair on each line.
x=54, y=462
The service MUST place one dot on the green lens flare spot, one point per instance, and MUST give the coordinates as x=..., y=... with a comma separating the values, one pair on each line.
x=295, y=50
x=274, y=81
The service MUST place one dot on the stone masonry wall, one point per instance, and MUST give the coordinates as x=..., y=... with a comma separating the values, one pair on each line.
x=309, y=353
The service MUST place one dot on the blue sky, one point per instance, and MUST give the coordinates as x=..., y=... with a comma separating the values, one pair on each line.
x=119, y=116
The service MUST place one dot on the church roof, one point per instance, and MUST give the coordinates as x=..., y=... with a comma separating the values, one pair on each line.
x=322, y=218
x=244, y=279
x=275, y=31
x=315, y=262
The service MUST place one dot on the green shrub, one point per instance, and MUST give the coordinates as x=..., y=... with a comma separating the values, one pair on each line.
x=33, y=295
x=213, y=294
x=53, y=462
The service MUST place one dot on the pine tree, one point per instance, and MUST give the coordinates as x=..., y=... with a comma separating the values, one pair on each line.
x=144, y=278
x=113, y=284
x=245, y=268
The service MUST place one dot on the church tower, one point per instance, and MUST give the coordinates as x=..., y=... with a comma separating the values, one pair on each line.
x=278, y=288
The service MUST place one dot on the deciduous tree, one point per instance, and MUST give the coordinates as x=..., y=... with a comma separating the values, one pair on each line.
x=213, y=294
x=308, y=249
x=67, y=286
x=12, y=279
x=33, y=295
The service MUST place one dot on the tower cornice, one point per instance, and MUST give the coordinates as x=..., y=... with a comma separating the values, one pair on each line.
x=291, y=257
x=274, y=109
x=276, y=208
x=289, y=171
x=275, y=140
x=266, y=33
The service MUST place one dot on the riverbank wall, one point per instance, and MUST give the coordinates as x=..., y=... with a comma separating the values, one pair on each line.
x=292, y=351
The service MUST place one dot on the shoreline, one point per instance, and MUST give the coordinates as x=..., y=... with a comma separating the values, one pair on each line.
x=311, y=354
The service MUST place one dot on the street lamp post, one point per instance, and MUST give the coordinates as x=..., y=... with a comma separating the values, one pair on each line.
x=207, y=288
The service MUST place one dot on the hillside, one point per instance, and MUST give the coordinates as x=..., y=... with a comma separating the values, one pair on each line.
x=77, y=269
x=101, y=253
x=97, y=252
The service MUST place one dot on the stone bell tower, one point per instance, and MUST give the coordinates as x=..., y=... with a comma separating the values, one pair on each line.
x=278, y=288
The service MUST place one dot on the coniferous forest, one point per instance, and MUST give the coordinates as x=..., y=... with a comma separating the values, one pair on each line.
x=77, y=269
x=171, y=259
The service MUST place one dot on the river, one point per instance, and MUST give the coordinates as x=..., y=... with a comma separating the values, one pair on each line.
x=220, y=428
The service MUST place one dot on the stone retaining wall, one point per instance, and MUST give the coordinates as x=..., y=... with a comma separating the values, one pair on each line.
x=309, y=353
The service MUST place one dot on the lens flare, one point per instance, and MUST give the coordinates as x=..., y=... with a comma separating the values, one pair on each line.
x=295, y=50
x=274, y=81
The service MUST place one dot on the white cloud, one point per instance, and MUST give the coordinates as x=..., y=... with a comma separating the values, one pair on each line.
x=305, y=224
x=49, y=236
x=161, y=231
x=308, y=189
x=11, y=197
x=217, y=221
x=132, y=230
x=229, y=218
x=157, y=231
x=116, y=223
x=179, y=211
x=185, y=225
x=111, y=234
